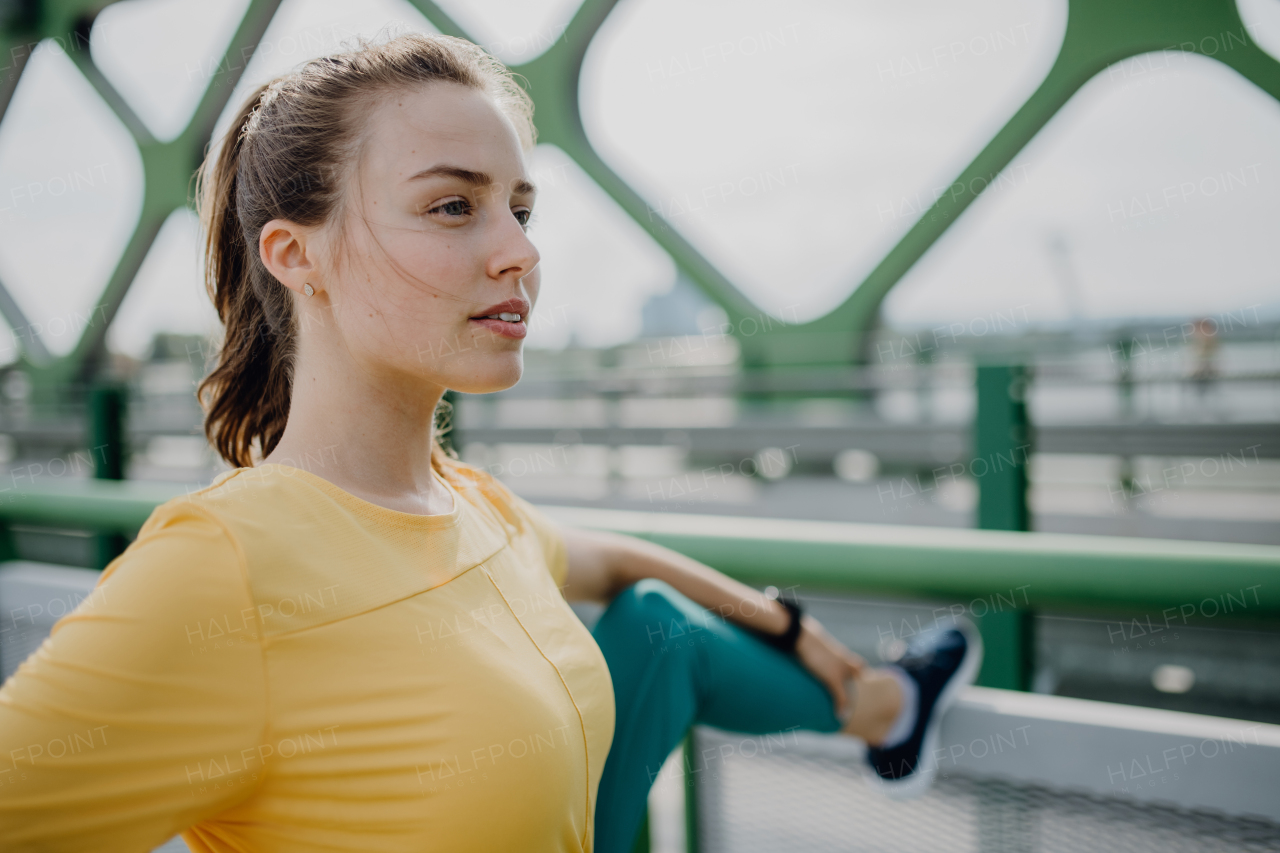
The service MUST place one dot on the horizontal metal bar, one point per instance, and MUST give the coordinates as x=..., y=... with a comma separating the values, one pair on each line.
x=1143, y=755
x=1115, y=750
x=647, y=383
x=1005, y=569
x=917, y=443
x=107, y=506
x=1034, y=570
x=924, y=444
x=1068, y=744
x=730, y=381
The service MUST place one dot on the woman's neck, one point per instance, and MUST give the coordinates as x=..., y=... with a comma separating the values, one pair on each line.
x=367, y=433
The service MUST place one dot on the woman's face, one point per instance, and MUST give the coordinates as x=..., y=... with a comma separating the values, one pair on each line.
x=435, y=241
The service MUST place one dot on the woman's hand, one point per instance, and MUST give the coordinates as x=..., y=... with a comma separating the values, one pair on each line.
x=829, y=661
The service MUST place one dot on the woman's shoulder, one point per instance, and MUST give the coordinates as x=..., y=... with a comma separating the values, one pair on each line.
x=267, y=528
x=243, y=500
x=237, y=487
x=184, y=551
x=188, y=555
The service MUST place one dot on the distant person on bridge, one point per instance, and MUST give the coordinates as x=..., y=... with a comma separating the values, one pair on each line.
x=353, y=640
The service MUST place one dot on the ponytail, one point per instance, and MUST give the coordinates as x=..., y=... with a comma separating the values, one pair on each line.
x=246, y=397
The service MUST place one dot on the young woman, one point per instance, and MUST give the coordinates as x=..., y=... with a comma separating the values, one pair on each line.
x=352, y=640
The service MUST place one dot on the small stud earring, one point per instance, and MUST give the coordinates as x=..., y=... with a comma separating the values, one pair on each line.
x=308, y=289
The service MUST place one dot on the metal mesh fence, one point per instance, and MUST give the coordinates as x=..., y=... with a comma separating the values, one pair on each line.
x=32, y=599
x=772, y=795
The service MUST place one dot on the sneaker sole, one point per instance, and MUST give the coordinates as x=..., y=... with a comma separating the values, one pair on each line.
x=921, y=780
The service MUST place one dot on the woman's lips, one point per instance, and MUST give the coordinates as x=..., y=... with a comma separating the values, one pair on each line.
x=504, y=328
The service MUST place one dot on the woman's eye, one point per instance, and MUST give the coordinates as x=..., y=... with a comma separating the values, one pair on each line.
x=522, y=216
x=455, y=207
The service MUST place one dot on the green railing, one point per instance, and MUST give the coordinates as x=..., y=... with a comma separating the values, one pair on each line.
x=1027, y=572
x=1001, y=575
x=1001, y=579
x=986, y=574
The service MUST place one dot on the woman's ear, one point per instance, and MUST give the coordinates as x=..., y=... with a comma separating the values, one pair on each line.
x=288, y=255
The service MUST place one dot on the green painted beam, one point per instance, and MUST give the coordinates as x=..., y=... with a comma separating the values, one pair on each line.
x=440, y=19
x=553, y=80
x=692, y=806
x=1039, y=569
x=953, y=565
x=168, y=167
x=961, y=566
x=1099, y=33
x=199, y=131
x=108, y=449
x=554, y=84
x=105, y=506
x=168, y=170
x=1001, y=449
x=18, y=32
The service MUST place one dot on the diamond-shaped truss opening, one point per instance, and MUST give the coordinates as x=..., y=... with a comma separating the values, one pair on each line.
x=598, y=266
x=71, y=190
x=1151, y=194
x=161, y=55
x=515, y=32
x=167, y=296
x=10, y=348
x=794, y=146
x=1262, y=21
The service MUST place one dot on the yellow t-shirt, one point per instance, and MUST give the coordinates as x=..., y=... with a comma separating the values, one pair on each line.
x=277, y=665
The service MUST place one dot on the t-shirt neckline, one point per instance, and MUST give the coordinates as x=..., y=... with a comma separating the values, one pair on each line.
x=372, y=510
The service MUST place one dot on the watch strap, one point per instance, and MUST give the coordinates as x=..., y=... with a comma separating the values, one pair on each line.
x=786, y=641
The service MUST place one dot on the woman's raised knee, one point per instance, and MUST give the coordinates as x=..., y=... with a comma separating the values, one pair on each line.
x=651, y=610
x=645, y=600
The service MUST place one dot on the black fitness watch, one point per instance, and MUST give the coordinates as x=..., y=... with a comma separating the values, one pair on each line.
x=786, y=641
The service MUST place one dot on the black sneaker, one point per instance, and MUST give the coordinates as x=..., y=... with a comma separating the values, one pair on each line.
x=941, y=661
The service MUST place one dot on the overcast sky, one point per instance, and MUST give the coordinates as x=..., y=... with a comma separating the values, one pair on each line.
x=793, y=142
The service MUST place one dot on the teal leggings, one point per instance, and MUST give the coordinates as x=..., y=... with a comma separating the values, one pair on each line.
x=673, y=664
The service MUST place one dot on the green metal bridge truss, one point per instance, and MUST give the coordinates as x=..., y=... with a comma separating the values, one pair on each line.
x=1099, y=33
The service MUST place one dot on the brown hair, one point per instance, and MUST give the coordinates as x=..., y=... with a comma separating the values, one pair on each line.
x=288, y=155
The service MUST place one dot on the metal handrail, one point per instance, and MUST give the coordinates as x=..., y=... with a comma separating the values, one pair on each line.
x=991, y=568
x=1041, y=570
x=1044, y=569
x=100, y=506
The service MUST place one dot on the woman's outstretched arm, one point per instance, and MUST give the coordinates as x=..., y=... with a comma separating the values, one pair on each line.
x=601, y=564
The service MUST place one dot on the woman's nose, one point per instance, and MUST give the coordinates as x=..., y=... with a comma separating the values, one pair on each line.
x=515, y=256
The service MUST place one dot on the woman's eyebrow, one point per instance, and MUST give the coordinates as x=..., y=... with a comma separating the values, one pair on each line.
x=476, y=179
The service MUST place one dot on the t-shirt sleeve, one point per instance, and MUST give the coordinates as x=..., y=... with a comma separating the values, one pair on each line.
x=115, y=731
